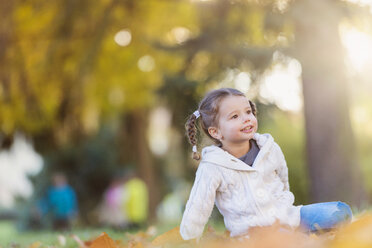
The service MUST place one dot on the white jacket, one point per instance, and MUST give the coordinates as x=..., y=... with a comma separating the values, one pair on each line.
x=246, y=196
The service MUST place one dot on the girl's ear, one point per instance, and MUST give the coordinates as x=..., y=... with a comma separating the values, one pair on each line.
x=215, y=133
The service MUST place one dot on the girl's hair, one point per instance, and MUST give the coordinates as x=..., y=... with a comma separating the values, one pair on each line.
x=208, y=109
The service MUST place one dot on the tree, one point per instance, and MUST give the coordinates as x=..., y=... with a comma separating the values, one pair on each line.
x=331, y=150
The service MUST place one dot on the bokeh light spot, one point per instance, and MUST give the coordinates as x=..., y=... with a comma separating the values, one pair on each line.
x=146, y=63
x=180, y=34
x=123, y=37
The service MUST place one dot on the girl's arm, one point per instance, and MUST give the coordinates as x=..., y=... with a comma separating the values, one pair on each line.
x=283, y=175
x=201, y=201
x=282, y=169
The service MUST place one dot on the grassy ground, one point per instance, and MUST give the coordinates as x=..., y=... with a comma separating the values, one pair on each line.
x=10, y=237
x=356, y=234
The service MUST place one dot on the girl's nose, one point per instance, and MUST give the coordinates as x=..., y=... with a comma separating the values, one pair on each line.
x=246, y=118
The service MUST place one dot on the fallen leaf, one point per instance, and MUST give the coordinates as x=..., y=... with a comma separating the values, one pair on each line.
x=358, y=234
x=103, y=241
x=173, y=236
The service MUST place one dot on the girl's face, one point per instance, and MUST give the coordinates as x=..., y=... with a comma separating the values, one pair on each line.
x=236, y=122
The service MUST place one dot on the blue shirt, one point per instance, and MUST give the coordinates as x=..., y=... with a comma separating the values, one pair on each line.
x=62, y=201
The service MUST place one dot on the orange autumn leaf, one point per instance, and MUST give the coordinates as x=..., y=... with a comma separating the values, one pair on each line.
x=136, y=245
x=138, y=240
x=358, y=234
x=171, y=237
x=103, y=241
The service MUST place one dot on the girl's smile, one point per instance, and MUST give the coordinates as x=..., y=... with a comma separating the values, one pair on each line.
x=248, y=129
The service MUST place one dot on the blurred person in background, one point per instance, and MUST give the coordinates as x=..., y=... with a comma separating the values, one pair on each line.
x=136, y=200
x=60, y=202
x=111, y=212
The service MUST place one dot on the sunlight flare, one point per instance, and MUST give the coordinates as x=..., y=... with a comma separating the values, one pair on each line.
x=282, y=86
x=358, y=46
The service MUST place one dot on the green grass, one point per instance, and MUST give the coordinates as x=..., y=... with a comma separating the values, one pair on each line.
x=10, y=237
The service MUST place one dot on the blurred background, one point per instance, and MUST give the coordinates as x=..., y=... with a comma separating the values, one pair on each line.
x=98, y=93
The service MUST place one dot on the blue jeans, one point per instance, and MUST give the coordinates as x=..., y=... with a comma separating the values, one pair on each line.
x=324, y=216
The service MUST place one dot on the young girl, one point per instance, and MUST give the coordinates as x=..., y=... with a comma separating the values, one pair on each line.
x=244, y=174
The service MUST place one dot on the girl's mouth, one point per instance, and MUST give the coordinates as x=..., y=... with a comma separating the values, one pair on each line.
x=247, y=129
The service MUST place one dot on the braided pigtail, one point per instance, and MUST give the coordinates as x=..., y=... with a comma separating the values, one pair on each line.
x=191, y=132
x=253, y=107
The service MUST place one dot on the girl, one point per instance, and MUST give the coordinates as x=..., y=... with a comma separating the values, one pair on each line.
x=244, y=174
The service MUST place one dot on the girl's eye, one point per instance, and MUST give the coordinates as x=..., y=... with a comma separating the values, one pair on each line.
x=249, y=112
x=234, y=117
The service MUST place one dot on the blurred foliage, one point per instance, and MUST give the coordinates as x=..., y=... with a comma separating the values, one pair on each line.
x=62, y=70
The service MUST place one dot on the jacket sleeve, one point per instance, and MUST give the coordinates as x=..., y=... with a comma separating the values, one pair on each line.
x=282, y=171
x=201, y=201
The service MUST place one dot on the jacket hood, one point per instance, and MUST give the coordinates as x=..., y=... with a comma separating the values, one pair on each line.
x=216, y=155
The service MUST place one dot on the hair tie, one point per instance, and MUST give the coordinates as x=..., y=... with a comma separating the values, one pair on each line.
x=194, y=149
x=197, y=114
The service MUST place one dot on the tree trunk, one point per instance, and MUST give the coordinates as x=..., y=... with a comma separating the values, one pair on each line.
x=136, y=151
x=331, y=153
